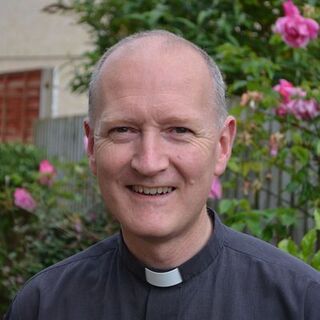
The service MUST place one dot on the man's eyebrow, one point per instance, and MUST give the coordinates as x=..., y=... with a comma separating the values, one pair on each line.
x=109, y=122
x=178, y=120
x=114, y=120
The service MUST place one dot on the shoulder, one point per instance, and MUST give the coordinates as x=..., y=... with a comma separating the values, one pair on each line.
x=249, y=248
x=262, y=274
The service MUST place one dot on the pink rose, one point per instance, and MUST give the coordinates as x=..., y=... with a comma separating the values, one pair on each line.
x=47, y=172
x=24, y=200
x=288, y=91
x=296, y=30
x=216, y=189
x=304, y=109
x=293, y=102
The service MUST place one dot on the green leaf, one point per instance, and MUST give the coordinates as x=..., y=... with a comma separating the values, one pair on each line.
x=203, y=15
x=307, y=244
x=225, y=205
x=297, y=138
x=251, y=166
x=136, y=16
x=318, y=148
x=238, y=226
x=254, y=227
x=233, y=165
x=236, y=110
x=302, y=154
x=316, y=215
x=287, y=216
x=238, y=84
x=289, y=246
x=156, y=14
x=187, y=23
x=244, y=204
x=315, y=262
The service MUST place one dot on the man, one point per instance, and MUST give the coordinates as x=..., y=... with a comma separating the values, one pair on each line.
x=158, y=134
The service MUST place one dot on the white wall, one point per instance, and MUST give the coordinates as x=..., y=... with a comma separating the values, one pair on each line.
x=31, y=38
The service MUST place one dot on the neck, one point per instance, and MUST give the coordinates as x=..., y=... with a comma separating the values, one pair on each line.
x=171, y=252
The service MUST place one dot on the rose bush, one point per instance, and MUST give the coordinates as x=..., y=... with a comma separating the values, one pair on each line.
x=43, y=220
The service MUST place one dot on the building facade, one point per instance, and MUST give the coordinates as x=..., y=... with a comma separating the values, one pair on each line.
x=38, y=55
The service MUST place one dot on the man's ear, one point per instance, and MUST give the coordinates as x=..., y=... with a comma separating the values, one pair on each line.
x=90, y=146
x=225, y=143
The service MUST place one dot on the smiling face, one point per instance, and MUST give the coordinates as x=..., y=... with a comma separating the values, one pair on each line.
x=155, y=146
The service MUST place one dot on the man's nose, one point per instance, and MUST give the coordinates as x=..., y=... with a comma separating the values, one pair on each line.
x=150, y=157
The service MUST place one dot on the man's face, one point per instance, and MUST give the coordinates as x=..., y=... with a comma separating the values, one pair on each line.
x=156, y=147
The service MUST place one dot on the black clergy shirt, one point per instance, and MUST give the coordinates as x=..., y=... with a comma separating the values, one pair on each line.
x=234, y=276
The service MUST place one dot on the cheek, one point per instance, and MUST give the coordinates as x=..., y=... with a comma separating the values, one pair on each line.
x=111, y=160
x=196, y=165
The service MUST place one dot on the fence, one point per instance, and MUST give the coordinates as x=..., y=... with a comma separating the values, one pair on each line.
x=61, y=137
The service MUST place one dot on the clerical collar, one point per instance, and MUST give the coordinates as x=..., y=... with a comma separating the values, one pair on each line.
x=182, y=273
x=163, y=279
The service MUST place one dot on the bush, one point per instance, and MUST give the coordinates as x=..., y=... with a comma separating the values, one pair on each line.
x=53, y=225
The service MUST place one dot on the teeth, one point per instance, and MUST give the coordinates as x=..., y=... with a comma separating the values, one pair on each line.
x=152, y=191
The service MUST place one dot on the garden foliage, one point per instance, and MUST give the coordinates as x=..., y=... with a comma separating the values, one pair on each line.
x=42, y=220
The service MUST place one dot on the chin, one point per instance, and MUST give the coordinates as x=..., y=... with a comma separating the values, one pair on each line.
x=149, y=232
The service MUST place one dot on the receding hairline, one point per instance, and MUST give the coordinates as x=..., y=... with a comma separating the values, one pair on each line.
x=166, y=41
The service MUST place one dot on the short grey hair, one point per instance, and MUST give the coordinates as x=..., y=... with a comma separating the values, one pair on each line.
x=218, y=89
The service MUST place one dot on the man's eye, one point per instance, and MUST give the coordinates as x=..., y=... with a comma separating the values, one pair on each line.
x=121, y=129
x=122, y=134
x=181, y=130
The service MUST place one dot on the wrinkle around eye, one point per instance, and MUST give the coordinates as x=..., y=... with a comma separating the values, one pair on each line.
x=180, y=133
x=122, y=134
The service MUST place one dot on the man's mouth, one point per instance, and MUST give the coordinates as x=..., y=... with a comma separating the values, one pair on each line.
x=151, y=191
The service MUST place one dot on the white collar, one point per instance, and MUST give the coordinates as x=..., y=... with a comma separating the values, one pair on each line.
x=163, y=279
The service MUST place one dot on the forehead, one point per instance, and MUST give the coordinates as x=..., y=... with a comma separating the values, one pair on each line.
x=150, y=69
x=154, y=62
